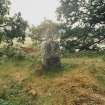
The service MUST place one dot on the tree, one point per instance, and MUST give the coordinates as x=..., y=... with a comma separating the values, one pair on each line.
x=83, y=19
x=15, y=28
x=4, y=11
x=46, y=29
x=97, y=12
x=11, y=27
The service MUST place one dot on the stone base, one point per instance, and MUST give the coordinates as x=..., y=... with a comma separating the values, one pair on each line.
x=52, y=62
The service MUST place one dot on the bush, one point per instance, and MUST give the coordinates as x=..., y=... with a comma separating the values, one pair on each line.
x=12, y=53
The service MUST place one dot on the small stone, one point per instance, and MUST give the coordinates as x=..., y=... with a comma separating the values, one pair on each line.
x=49, y=94
x=33, y=92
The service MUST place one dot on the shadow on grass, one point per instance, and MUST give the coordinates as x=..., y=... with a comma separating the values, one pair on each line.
x=54, y=71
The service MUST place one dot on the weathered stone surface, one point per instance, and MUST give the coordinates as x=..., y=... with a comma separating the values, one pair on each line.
x=50, y=54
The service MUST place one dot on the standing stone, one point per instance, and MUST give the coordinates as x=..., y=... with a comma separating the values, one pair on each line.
x=50, y=54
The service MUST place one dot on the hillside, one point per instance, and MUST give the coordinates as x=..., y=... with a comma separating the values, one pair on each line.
x=80, y=81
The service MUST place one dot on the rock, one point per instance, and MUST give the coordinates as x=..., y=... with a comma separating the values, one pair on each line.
x=33, y=93
x=50, y=54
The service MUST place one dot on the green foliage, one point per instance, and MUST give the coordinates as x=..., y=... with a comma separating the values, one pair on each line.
x=88, y=12
x=16, y=27
x=97, y=12
x=3, y=102
x=83, y=20
x=12, y=53
x=11, y=27
x=4, y=10
x=46, y=29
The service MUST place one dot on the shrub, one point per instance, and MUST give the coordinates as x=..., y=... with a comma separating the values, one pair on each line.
x=12, y=53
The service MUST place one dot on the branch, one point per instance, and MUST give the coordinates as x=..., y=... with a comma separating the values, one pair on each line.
x=90, y=44
x=3, y=25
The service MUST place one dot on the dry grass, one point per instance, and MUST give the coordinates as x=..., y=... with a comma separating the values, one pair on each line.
x=81, y=82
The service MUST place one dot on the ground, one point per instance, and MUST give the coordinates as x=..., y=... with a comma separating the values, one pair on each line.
x=80, y=81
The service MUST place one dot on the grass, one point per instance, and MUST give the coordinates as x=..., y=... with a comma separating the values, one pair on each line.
x=80, y=81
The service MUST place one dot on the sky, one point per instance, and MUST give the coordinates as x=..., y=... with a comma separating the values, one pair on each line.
x=35, y=10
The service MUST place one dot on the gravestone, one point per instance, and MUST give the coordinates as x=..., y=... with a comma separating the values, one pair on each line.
x=50, y=54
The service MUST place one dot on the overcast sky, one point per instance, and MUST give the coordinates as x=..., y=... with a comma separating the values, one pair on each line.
x=35, y=10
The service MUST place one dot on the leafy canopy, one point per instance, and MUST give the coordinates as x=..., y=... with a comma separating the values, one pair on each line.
x=46, y=29
x=84, y=20
x=11, y=27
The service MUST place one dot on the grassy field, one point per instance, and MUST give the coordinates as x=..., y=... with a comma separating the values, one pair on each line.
x=80, y=81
